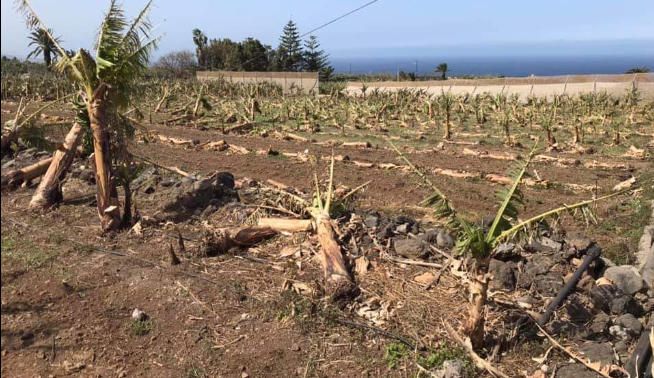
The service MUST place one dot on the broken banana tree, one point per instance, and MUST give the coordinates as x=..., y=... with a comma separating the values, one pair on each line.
x=16, y=177
x=338, y=279
x=481, y=244
x=13, y=127
x=48, y=192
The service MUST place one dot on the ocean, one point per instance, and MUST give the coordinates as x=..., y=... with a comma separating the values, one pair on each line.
x=496, y=66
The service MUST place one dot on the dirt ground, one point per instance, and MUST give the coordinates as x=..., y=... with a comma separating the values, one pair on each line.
x=68, y=293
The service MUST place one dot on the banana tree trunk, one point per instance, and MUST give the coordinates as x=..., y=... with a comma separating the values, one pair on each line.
x=106, y=197
x=286, y=225
x=474, y=327
x=48, y=193
x=616, y=138
x=17, y=177
x=331, y=256
x=448, y=131
x=550, y=137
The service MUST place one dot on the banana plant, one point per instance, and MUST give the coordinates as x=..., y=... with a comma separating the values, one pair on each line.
x=446, y=103
x=631, y=100
x=479, y=243
x=547, y=119
x=108, y=84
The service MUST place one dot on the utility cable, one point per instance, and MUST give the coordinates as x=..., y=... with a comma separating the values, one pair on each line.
x=339, y=17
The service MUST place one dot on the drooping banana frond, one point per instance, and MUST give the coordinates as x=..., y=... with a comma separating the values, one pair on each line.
x=581, y=208
x=140, y=26
x=511, y=197
x=437, y=200
x=34, y=23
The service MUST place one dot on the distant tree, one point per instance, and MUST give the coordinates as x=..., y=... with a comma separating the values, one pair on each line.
x=254, y=55
x=442, y=68
x=634, y=70
x=200, y=41
x=315, y=59
x=43, y=45
x=177, y=64
x=224, y=54
x=289, y=52
x=14, y=66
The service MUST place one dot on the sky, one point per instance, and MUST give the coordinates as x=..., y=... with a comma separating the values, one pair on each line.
x=385, y=28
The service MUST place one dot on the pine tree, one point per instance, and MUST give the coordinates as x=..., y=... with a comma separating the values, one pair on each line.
x=315, y=59
x=290, y=49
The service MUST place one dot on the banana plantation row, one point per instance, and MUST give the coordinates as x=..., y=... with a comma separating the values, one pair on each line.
x=220, y=104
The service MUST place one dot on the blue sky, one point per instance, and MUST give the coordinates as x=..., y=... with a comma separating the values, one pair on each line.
x=388, y=27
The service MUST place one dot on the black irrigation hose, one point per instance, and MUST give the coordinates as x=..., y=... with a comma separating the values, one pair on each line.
x=591, y=255
x=641, y=357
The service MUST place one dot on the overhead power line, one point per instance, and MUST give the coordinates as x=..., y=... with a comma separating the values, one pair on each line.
x=339, y=17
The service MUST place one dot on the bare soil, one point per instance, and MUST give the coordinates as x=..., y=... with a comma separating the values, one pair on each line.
x=68, y=293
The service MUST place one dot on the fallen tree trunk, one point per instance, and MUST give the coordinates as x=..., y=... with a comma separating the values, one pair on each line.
x=357, y=144
x=291, y=136
x=48, y=192
x=219, y=242
x=243, y=127
x=17, y=177
x=278, y=184
x=219, y=145
x=177, y=141
x=286, y=225
x=239, y=149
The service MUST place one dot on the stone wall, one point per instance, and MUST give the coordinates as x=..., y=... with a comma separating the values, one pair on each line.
x=291, y=82
x=615, y=85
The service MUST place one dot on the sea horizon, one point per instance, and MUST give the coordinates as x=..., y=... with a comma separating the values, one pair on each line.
x=509, y=65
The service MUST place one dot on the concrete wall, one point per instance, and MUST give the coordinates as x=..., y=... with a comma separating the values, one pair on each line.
x=537, y=86
x=304, y=82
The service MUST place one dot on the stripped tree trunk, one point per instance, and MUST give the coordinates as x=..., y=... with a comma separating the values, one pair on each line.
x=331, y=256
x=448, y=131
x=106, y=197
x=16, y=177
x=286, y=225
x=474, y=327
x=48, y=192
